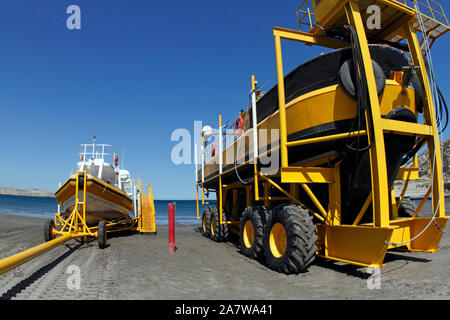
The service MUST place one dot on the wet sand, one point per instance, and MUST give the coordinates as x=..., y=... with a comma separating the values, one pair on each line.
x=135, y=266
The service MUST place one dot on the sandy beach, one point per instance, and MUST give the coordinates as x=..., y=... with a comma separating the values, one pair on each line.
x=136, y=266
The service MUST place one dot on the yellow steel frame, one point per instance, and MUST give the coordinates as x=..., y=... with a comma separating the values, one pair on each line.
x=431, y=12
x=367, y=245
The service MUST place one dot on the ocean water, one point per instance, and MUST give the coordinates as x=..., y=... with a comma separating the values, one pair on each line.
x=185, y=210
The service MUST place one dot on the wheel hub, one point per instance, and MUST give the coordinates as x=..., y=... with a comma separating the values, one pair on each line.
x=278, y=240
x=249, y=234
x=213, y=226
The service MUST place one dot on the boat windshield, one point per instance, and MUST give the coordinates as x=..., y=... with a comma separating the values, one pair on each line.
x=97, y=151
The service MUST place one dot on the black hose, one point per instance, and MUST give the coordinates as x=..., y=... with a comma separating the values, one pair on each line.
x=361, y=92
x=442, y=104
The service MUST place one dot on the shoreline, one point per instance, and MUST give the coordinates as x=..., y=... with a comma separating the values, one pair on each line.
x=42, y=217
x=35, y=193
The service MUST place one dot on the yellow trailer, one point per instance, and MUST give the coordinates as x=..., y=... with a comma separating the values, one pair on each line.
x=343, y=126
x=75, y=225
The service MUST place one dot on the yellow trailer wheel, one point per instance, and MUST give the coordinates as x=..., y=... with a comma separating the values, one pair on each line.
x=219, y=232
x=213, y=227
x=253, y=222
x=278, y=240
x=206, y=222
x=49, y=230
x=102, y=235
x=248, y=234
x=290, y=240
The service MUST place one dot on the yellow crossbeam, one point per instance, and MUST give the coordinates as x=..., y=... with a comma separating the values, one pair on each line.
x=406, y=128
x=408, y=174
x=308, y=38
x=326, y=138
x=287, y=194
x=307, y=175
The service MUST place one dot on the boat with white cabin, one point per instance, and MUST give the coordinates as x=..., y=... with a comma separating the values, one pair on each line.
x=106, y=195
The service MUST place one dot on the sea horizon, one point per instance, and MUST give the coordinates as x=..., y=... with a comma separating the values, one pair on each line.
x=46, y=207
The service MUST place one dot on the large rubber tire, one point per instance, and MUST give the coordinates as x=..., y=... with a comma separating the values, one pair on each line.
x=399, y=142
x=219, y=232
x=407, y=208
x=347, y=77
x=102, y=235
x=224, y=228
x=49, y=226
x=251, y=236
x=295, y=251
x=206, y=222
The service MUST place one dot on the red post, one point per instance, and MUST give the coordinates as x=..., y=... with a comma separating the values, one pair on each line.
x=171, y=228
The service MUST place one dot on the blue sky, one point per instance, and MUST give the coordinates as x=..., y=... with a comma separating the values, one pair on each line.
x=136, y=71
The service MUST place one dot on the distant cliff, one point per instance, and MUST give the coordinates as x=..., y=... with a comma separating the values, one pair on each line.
x=424, y=163
x=26, y=192
x=420, y=187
